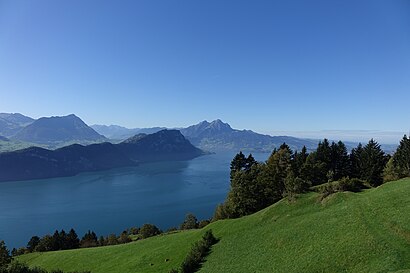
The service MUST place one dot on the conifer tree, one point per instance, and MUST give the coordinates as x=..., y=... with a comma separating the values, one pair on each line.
x=5, y=257
x=401, y=158
x=373, y=161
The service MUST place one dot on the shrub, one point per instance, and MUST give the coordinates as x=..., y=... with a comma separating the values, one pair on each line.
x=190, y=222
x=198, y=252
x=346, y=184
x=203, y=223
x=149, y=230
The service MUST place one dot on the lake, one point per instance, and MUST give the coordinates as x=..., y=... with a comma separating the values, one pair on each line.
x=107, y=202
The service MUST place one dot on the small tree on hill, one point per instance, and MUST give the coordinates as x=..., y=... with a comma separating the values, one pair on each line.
x=149, y=230
x=190, y=222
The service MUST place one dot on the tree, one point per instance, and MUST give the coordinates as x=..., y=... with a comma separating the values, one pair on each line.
x=222, y=211
x=299, y=160
x=401, y=158
x=340, y=161
x=190, y=222
x=72, y=240
x=34, y=241
x=373, y=161
x=112, y=240
x=324, y=153
x=124, y=238
x=244, y=196
x=89, y=239
x=56, y=241
x=63, y=240
x=355, y=162
x=149, y=230
x=46, y=244
x=5, y=257
x=294, y=185
x=238, y=163
x=249, y=162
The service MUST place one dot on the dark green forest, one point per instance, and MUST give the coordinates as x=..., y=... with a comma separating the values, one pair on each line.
x=328, y=169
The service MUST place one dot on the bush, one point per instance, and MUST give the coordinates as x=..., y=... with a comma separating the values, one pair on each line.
x=199, y=251
x=203, y=223
x=149, y=230
x=190, y=222
x=344, y=184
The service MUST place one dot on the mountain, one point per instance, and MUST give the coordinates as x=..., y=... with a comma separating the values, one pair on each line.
x=2, y=138
x=11, y=123
x=36, y=162
x=17, y=118
x=217, y=135
x=119, y=132
x=58, y=129
x=163, y=145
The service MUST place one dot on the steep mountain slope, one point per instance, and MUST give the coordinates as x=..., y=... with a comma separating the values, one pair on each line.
x=347, y=232
x=217, y=135
x=35, y=162
x=10, y=124
x=58, y=129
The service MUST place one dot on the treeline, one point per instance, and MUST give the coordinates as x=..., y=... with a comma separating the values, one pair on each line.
x=256, y=185
x=61, y=240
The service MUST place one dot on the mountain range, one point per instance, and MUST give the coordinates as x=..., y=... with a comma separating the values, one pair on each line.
x=217, y=136
x=36, y=162
x=18, y=131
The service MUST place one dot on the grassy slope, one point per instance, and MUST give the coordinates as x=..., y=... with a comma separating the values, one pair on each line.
x=347, y=232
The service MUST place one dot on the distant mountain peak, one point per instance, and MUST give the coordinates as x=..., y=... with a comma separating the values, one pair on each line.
x=219, y=124
x=58, y=129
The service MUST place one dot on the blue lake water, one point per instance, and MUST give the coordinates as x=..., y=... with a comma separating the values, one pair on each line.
x=110, y=201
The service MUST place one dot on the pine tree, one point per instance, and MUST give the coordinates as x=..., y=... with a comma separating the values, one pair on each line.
x=373, y=161
x=355, y=162
x=238, y=163
x=89, y=239
x=31, y=245
x=72, y=240
x=401, y=158
x=340, y=161
x=5, y=257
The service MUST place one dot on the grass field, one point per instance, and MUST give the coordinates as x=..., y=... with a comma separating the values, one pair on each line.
x=346, y=232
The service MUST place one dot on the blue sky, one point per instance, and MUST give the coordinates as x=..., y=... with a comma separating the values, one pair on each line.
x=262, y=65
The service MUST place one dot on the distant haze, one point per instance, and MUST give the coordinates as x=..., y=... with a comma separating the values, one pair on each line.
x=363, y=136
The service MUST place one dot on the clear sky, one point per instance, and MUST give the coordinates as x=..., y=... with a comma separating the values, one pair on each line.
x=262, y=65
